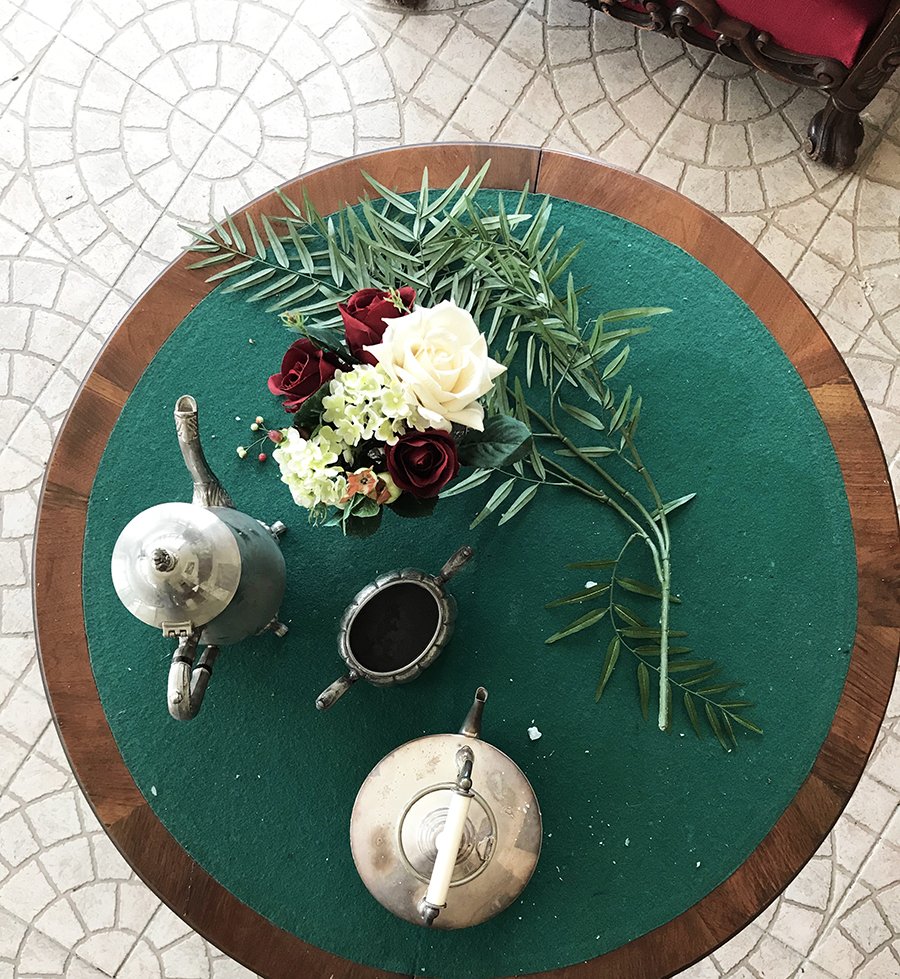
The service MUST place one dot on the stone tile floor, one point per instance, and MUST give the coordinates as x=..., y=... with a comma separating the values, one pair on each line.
x=118, y=118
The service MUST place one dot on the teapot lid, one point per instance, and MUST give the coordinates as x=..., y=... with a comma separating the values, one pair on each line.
x=176, y=564
x=401, y=810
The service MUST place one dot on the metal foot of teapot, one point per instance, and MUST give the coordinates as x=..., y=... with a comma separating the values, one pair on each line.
x=204, y=572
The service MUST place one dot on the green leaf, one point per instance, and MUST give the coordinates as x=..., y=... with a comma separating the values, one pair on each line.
x=232, y=270
x=300, y=247
x=285, y=282
x=504, y=441
x=257, y=240
x=470, y=482
x=521, y=501
x=674, y=504
x=747, y=724
x=591, y=451
x=585, y=417
x=719, y=688
x=616, y=315
x=633, y=619
x=594, y=591
x=616, y=364
x=578, y=565
x=250, y=280
x=716, y=725
x=289, y=204
x=583, y=622
x=310, y=412
x=496, y=498
x=643, y=678
x=693, y=717
x=212, y=260
x=685, y=665
x=277, y=247
x=609, y=664
x=642, y=588
x=621, y=412
x=322, y=336
x=401, y=203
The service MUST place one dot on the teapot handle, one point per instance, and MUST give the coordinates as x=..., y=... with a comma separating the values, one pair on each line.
x=187, y=681
x=331, y=694
x=450, y=839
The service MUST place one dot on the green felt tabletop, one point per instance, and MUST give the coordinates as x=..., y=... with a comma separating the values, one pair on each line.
x=638, y=825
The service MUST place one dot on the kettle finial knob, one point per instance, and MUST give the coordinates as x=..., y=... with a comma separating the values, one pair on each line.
x=163, y=560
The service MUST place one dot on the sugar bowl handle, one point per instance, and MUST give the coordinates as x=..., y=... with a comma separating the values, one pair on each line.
x=450, y=839
x=333, y=693
x=454, y=563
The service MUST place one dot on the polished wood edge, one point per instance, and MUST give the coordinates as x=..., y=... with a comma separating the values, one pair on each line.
x=79, y=717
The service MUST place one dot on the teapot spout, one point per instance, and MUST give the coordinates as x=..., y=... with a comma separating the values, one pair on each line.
x=471, y=727
x=208, y=491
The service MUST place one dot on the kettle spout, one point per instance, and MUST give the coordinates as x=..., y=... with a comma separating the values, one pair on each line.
x=208, y=491
x=471, y=727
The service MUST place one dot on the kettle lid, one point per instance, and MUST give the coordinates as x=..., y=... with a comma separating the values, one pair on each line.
x=176, y=563
x=401, y=810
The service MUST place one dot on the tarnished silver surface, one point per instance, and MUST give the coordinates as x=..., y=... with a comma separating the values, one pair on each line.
x=176, y=562
x=203, y=572
x=400, y=811
x=446, y=607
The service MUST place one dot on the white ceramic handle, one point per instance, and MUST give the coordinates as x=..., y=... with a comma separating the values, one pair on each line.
x=448, y=844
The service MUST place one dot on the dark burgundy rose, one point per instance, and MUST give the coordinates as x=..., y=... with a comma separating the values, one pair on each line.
x=422, y=463
x=364, y=314
x=304, y=369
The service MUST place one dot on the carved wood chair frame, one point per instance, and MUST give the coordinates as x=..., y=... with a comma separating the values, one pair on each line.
x=835, y=132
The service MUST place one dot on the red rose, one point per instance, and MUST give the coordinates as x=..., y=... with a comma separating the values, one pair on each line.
x=304, y=369
x=364, y=316
x=422, y=463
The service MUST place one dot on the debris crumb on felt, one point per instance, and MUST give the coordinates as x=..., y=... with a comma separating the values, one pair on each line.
x=534, y=733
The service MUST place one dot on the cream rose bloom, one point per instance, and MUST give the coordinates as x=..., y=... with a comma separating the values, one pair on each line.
x=442, y=358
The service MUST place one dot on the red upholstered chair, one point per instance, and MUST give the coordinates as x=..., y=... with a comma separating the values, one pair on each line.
x=845, y=48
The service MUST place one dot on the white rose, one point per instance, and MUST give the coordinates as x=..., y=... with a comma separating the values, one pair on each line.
x=442, y=358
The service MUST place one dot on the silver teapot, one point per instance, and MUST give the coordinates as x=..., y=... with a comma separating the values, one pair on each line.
x=205, y=573
x=446, y=830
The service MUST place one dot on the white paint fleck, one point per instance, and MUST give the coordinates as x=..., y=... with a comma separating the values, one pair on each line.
x=534, y=733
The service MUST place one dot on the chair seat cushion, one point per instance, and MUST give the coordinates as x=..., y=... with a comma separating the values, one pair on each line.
x=827, y=28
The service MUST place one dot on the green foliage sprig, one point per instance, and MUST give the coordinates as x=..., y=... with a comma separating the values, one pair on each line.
x=511, y=273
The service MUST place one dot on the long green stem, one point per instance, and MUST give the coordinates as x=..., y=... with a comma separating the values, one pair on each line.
x=604, y=475
x=648, y=479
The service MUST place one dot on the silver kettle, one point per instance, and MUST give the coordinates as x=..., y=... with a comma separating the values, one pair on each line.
x=204, y=572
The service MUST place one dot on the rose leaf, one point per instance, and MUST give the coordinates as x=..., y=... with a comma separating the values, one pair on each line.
x=309, y=413
x=505, y=440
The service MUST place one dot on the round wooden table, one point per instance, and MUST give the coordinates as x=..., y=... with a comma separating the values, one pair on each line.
x=161, y=862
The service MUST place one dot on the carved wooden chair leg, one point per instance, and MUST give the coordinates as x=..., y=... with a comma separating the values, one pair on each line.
x=835, y=133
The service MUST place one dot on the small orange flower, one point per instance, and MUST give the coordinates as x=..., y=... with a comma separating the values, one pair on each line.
x=365, y=483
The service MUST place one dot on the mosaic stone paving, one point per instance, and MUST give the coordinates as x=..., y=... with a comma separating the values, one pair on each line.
x=120, y=117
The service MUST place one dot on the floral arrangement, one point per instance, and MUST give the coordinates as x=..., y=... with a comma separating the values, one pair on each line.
x=495, y=370
x=386, y=415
